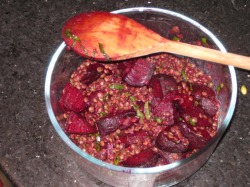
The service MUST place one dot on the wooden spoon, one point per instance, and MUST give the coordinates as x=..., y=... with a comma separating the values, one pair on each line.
x=105, y=36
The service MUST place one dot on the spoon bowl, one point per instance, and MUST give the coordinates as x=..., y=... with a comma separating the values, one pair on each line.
x=105, y=36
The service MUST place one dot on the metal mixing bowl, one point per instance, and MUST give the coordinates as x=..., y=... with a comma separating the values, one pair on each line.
x=64, y=62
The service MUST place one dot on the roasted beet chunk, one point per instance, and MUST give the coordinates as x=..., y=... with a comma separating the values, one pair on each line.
x=140, y=74
x=92, y=73
x=125, y=67
x=77, y=124
x=170, y=157
x=185, y=101
x=135, y=138
x=172, y=140
x=200, y=91
x=164, y=109
x=210, y=105
x=196, y=116
x=72, y=99
x=191, y=111
x=161, y=84
x=197, y=137
x=146, y=158
x=112, y=122
x=207, y=99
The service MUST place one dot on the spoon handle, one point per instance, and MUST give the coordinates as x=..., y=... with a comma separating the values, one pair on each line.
x=203, y=53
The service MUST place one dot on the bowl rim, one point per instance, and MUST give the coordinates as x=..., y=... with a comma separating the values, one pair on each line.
x=151, y=170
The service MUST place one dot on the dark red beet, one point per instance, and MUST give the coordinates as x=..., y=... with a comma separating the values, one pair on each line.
x=112, y=122
x=164, y=109
x=161, y=84
x=135, y=138
x=197, y=113
x=170, y=157
x=210, y=105
x=156, y=87
x=140, y=74
x=172, y=140
x=146, y=158
x=91, y=73
x=184, y=101
x=125, y=67
x=200, y=91
x=72, y=99
x=77, y=124
x=207, y=98
x=197, y=137
x=189, y=109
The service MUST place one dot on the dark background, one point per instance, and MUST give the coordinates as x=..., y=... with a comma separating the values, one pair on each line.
x=32, y=154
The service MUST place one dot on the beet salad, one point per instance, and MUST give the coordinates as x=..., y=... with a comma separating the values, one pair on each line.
x=142, y=112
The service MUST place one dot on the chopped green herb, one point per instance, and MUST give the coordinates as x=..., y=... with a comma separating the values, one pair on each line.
x=117, y=160
x=127, y=94
x=175, y=38
x=196, y=103
x=116, y=86
x=105, y=97
x=219, y=87
x=192, y=122
x=69, y=34
x=204, y=40
x=94, y=53
x=132, y=98
x=183, y=74
x=180, y=119
x=191, y=87
x=97, y=147
x=139, y=114
x=103, y=52
x=84, y=49
x=96, y=134
x=158, y=120
x=147, y=111
x=103, y=114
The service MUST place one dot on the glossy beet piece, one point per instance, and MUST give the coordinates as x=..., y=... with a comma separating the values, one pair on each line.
x=210, y=105
x=185, y=102
x=141, y=73
x=161, y=84
x=195, y=116
x=91, y=73
x=77, y=124
x=207, y=99
x=200, y=91
x=172, y=140
x=170, y=157
x=197, y=137
x=165, y=108
x=135, y=138
x=146, y=158
x=112, y=122
x=191, y=111
x=125, y=67
x=72, y=99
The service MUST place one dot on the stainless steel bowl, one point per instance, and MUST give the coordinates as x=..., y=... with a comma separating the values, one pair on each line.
x=64, y=62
